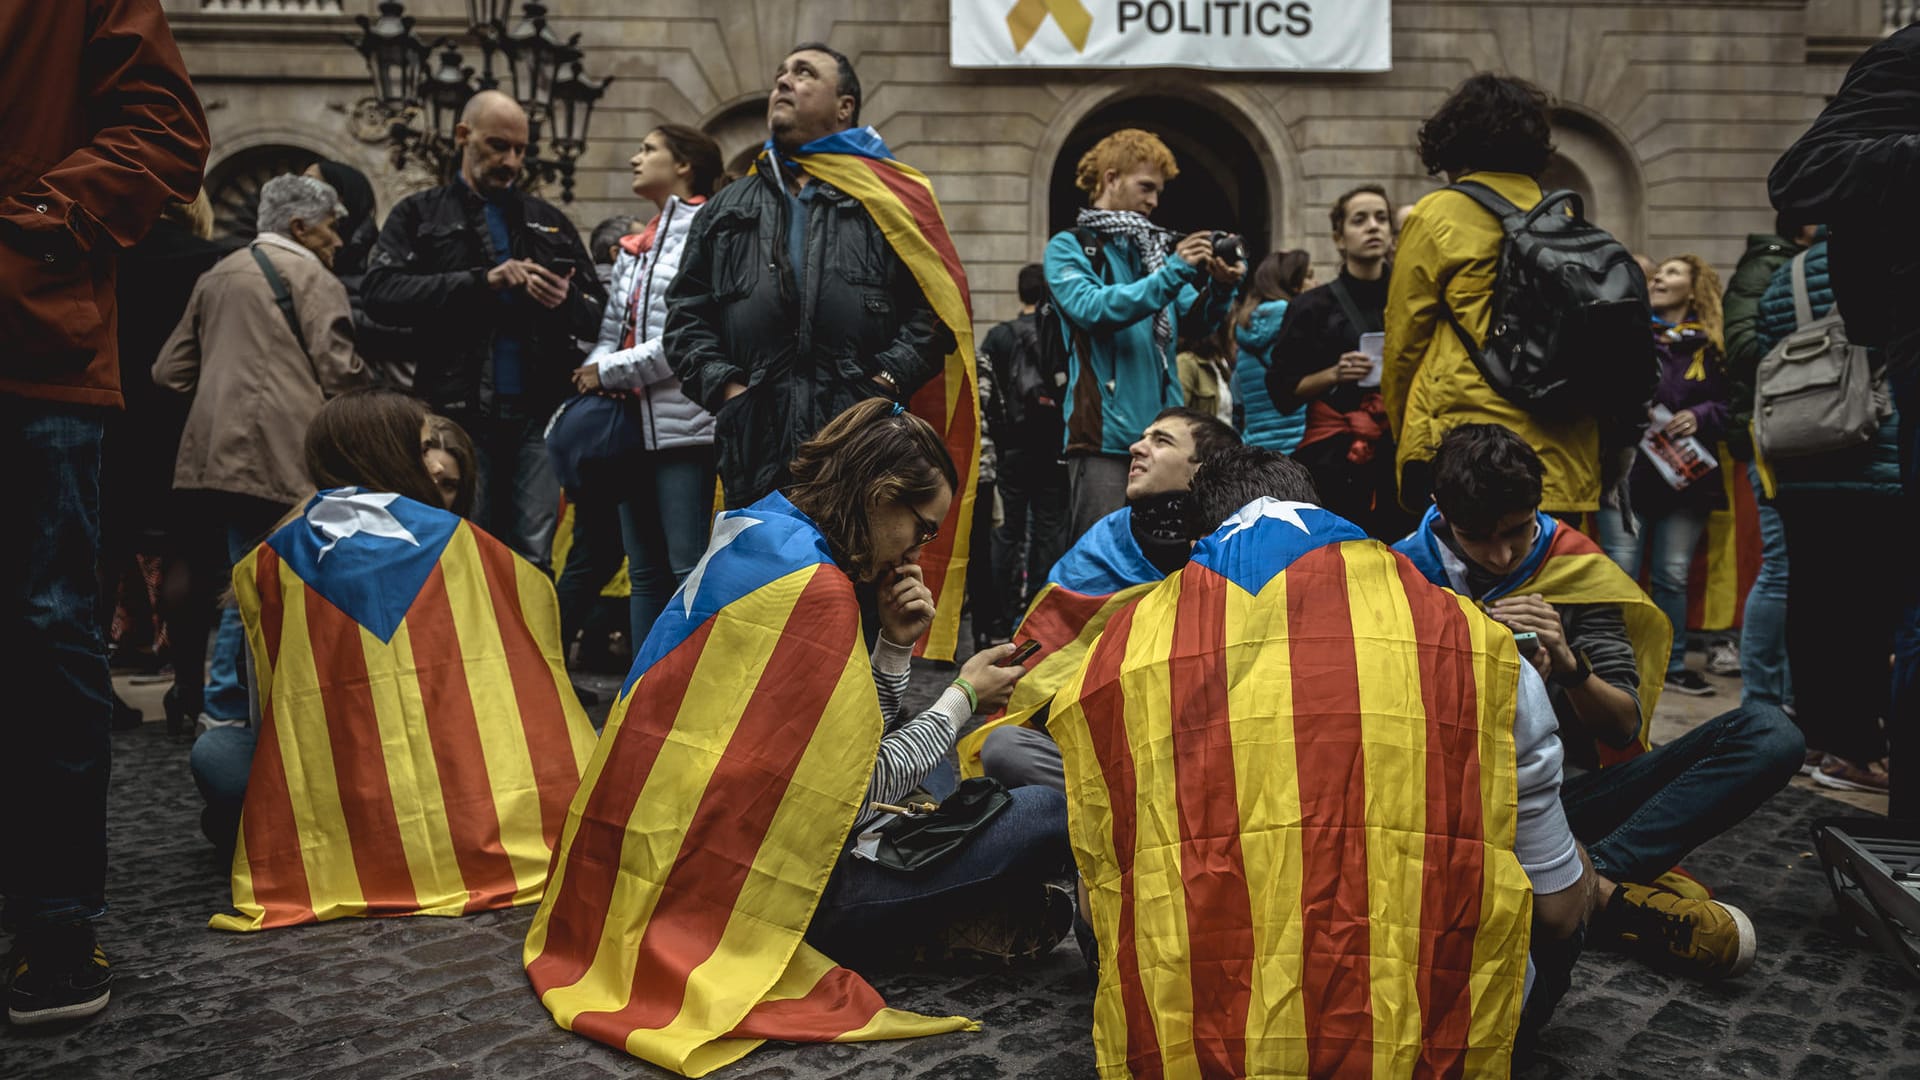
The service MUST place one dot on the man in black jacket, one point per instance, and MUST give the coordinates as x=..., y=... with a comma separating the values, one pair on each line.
x=790, y=305
x=1856, y=169
x=499, y=290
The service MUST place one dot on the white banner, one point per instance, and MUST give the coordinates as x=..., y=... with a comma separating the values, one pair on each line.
x=1245, y=35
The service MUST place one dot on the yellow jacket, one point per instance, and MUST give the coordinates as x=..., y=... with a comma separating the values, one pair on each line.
x=1449, y=252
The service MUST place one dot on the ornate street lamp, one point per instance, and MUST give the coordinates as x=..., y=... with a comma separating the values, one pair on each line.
x=415, y=111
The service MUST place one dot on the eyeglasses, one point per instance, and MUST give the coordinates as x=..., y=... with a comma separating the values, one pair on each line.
x=925, y=532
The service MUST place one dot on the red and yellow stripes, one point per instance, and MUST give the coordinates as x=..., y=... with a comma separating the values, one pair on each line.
x=703, y=834
x=1296, y=825
x=426, y=774
x=901, y=202
x=1576, y=571
x=1729, y=556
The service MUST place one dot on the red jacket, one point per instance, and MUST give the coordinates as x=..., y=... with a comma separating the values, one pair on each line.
x=102, y=131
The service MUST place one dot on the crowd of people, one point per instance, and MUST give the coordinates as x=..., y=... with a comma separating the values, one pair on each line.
x=1268, y=574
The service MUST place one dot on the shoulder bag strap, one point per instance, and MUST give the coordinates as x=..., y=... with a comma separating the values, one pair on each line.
x=1802, y=303
x=1347, y=306
x=283, y=297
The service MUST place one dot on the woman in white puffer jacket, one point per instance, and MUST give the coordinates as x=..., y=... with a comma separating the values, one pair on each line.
x=662, y=520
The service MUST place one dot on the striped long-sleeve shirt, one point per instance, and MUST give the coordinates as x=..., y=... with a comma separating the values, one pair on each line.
x=910, y=748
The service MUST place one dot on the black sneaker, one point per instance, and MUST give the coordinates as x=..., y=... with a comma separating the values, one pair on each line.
x=1013, y=931
x=1689, y=682
x=57, y=975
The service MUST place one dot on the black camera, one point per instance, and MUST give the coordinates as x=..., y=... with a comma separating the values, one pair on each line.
x=1229, y=248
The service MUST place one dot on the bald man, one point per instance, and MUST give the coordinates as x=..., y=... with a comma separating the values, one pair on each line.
x=499, y=291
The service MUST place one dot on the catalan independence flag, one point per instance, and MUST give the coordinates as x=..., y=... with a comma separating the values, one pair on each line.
x=900, y=200
x=713, y=812
x=1567, y=567
x=1103, y=571
x=1292, y=778
x=1729, y=556
x=418, y=737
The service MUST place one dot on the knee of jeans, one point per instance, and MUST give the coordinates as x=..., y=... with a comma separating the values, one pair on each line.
x=1778, y=743
x=1043, y=812
x=221, y=760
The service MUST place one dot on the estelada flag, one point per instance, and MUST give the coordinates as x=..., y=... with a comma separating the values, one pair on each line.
x=1097, y=576
x=900, y=200
x=1291, y=767
x=713, y=811
x=1566, y=567
x=1729, y=557
x=418, y=737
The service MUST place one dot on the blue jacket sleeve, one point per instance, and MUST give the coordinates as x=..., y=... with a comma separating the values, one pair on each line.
x=1093, y=305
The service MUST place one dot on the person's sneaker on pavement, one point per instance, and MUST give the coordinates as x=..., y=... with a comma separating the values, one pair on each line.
x=1723, y=658
x=1704, y=938
x=1843, y=775
x=1813, y=761
x=1689, y=682
x=56, y=975
x=1016, y=930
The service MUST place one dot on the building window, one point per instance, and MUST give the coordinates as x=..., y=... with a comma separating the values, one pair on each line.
x=272, y=7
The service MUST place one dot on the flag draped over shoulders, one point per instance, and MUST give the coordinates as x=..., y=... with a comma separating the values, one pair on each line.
x=901, y=202
x=418, y=737
x=1567, y=567
x=1293, y=781
x=1102, y=572
x=712, y=814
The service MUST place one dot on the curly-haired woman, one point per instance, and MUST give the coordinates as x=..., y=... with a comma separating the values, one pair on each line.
x=1495, y=131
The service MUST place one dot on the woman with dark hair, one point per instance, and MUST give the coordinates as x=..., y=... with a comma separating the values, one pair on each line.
x=1321, y=361
x=1280, y=277
x=1497, y=132
x=447, y=451
x=812, y=755
x=656, y=512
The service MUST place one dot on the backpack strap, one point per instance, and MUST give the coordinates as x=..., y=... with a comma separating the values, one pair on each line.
x=281, y=296
x=1511, y=217
x=1348, y=307
x=1094, y=247
x=1802, y=303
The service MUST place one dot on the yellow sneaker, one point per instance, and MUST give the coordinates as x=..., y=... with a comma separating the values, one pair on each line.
x=1681, y=883
x=1703, y=938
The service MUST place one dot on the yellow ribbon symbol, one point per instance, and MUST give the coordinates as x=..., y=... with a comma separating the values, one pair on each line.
x=1027, y=15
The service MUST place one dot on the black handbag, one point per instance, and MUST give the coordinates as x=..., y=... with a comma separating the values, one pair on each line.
x=592, y=441
x=915, y=842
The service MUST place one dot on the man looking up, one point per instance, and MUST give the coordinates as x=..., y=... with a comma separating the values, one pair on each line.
x=499, y=282
x=1123, y=555
x=1125, y=287
x=1486, y=538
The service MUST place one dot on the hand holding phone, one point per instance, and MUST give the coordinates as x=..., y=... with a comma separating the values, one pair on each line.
x=1022, y=654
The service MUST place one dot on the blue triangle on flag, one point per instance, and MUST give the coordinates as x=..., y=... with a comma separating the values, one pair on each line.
x=376, y=570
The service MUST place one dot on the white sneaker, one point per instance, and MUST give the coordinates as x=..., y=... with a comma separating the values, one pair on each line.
x=1723, y=658
x=207, y=723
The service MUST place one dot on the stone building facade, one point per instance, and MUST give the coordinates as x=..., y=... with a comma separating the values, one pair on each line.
x=1670, y=113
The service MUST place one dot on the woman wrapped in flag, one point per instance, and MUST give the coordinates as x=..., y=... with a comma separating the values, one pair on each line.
x=716, y=853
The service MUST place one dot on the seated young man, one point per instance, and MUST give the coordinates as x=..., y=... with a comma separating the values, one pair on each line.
x=1486, y=538
x=1288, y=737
x=1116, y=560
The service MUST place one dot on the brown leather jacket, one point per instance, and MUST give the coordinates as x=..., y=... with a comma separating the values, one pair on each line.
x=102, y=130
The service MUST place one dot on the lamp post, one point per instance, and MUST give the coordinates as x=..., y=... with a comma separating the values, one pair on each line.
x=415, y=110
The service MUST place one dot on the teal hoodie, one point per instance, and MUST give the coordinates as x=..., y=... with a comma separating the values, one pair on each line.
x=1114, y=393
x=1266, y=426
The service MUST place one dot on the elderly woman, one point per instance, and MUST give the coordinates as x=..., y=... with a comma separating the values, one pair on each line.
x=266, y=339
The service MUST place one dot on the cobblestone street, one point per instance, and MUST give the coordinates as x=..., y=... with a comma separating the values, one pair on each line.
x=436, y=998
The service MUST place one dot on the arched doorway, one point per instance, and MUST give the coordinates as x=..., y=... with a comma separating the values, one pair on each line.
x=1222, y=182
x=1590, y=159
x=233, y=186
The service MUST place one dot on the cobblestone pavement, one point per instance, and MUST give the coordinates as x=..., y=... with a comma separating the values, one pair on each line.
x=421, y=998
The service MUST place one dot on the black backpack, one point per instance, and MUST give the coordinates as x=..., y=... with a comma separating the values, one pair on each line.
x=1567, y=335
x=1052, y=329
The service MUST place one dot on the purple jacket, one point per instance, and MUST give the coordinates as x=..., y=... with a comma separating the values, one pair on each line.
x=1709, y=397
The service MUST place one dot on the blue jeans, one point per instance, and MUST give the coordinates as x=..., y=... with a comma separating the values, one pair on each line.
x=516, y=497
x=226, y=695
x=661, y=525
x=867, y=905
x=1640, y=817
x=54, y=739
x=221, y=761
x=1672, y=538
x=1764, y=673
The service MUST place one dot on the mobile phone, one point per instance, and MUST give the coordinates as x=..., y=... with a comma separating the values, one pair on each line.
x=1022, y=654
x=1528, y=641
x=562, y=265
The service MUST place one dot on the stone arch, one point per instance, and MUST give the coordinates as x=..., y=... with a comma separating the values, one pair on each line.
x=241, y=163
x=1592, y=158
x=1249, y=117
x=740, y=127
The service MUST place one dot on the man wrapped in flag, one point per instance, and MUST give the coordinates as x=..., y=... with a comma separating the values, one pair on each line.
x=715, y=839
x=1121, y=557
x=1602, y=647
x=418, y=739
x=823, y=278
x=1315, y=807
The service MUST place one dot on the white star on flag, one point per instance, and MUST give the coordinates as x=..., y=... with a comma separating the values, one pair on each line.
x=726, y=529
x=351, y=512
x=1251, y=514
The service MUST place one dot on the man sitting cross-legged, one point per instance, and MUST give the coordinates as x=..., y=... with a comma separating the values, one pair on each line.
x=1123, y=555
x=1638, y=812
x=1303, y=781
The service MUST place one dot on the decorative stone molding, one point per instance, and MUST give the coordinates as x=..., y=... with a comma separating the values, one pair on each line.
x=272, y=7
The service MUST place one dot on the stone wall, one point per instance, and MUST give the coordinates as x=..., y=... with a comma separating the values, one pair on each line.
x=1671, y=114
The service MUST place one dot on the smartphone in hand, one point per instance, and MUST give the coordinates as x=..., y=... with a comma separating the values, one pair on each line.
x=1022, y=654
x=1529, y=643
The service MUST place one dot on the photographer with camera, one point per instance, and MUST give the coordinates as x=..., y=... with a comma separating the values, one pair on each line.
x=1126, y=289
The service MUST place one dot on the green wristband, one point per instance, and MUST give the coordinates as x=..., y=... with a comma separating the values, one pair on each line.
x=973, y=697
